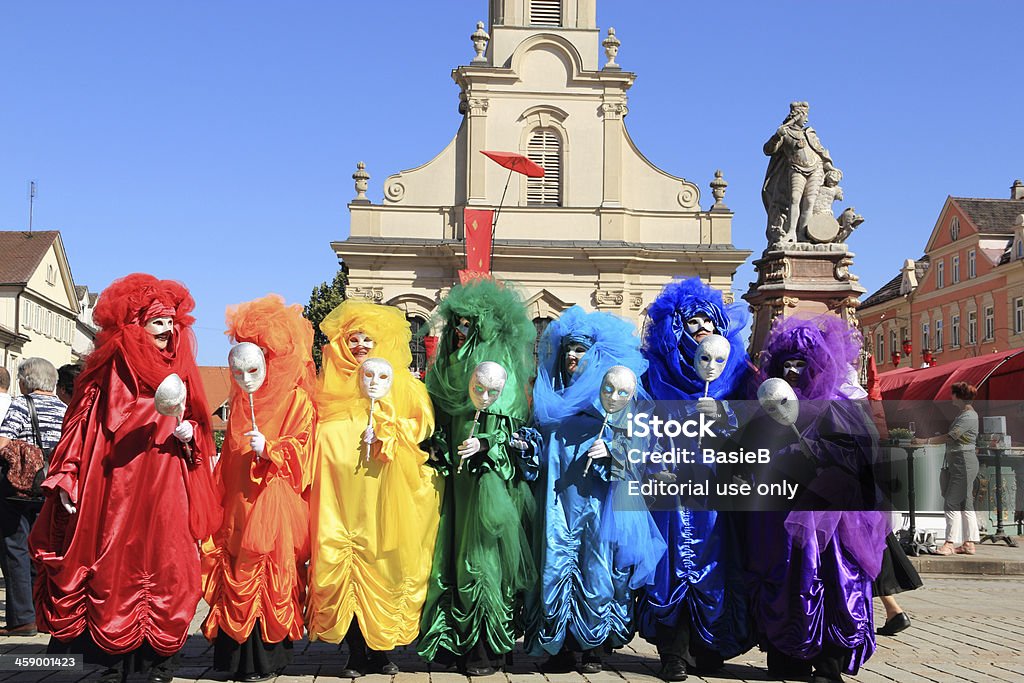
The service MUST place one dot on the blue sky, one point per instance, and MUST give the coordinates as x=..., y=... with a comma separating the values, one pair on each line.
x=214, y=142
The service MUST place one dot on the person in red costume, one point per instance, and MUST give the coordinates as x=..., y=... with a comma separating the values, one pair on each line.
x=254, y=566
x=115, y=545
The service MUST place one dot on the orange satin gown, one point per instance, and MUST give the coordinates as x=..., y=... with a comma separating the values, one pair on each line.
x=254, y=565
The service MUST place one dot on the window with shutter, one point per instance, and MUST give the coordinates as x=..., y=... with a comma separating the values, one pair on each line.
x=545, y=150
x=546, y=12
x=417, y=346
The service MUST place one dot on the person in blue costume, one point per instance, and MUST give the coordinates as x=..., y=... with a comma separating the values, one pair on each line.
x=696, y=609
x=811, y=568
x=594, y=549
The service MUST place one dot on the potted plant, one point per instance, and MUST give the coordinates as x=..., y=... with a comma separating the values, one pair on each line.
x=900, y=436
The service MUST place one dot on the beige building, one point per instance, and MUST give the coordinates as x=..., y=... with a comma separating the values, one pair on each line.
x=85, y=328
x=39, y=306
x=604, y=228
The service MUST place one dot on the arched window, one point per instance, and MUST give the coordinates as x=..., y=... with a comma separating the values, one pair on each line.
x=546, y=12
x=416, y=346
x=545, y=150
x=539, y=324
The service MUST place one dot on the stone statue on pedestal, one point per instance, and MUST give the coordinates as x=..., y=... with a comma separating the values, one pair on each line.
x=805, y=269
x=800, y=185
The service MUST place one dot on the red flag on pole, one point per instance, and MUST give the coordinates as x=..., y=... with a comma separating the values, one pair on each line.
x=479, y=223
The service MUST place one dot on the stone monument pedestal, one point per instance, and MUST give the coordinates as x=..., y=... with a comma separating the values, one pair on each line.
x=801, y=279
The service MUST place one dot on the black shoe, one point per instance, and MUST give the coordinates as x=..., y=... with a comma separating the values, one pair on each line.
x=380, y=663
x=817, y=678
x=254, y=677
x=592, y=663
x=357, y=666
x=672, y=668
x=562, y=663
x=478, y=670
x=160, y=677
x=900, y=622
x=111, y=676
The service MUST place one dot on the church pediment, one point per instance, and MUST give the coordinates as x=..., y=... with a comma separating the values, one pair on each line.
x=544, y=304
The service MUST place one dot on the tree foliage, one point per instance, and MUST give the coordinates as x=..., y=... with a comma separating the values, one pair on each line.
x=324, y=298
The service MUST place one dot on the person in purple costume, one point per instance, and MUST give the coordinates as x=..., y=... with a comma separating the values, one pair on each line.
x=811, y=568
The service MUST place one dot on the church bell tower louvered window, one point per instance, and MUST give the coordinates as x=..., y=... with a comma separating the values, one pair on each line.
x=545, y=150
x=546, y=12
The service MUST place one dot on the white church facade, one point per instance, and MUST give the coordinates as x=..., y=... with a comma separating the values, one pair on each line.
x=604, y=228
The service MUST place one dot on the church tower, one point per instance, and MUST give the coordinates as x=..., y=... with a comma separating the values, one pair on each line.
x=604, y=228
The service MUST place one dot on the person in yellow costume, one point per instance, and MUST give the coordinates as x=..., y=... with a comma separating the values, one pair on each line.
x=374, y=517
x=254, y=565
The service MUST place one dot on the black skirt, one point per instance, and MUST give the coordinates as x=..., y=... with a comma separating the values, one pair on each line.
x=251, y=657
x=897, y=574
x=142, y=659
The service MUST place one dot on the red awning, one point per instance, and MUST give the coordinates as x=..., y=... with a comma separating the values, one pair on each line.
x=1006, y=369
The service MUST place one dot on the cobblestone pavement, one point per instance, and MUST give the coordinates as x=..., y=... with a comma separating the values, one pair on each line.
x=964, y=629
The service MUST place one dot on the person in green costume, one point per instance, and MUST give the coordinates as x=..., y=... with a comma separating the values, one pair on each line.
x=482, y=561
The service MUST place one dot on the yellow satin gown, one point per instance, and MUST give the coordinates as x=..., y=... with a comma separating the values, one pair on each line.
x=373, y=520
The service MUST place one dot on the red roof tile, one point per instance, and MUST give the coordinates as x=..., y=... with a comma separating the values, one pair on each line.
x=217, y=383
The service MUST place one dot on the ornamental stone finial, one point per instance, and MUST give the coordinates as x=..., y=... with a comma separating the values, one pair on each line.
x=362, y=183
x=718, y=186
x=480, y=40
x=611, y=49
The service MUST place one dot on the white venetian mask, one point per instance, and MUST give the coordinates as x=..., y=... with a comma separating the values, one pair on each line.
x=574, y=353
x=699, y=325
x=617, y=388
x=792, y=369
x=360, y=344
x=161, y=330
x=778, y=399
x=711, y=357
x=486, y=384
x=375, y=378
x=170, y=396
x=248, y=366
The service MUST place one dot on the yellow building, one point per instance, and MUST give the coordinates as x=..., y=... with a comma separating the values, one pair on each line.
x=604, y=228
x=39, y=306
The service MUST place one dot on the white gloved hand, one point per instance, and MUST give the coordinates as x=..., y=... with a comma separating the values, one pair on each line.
x=518, y=444
x=368, y=435
x=65, y=500
x=708, y=406
x=598, y=450
x=665, y=476
x=257, y=442
x=469, y=448
x=184, y=432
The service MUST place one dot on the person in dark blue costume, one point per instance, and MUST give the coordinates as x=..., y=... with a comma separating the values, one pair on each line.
x=696, y=606
x=595, y=549
x=811, y=568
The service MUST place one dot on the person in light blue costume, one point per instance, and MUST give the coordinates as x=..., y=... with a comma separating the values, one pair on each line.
x=596, y=545
x=695, y=611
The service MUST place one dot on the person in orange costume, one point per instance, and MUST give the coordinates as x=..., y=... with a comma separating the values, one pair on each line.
x=115, y=545
x=254, y=566
x=374, y=501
